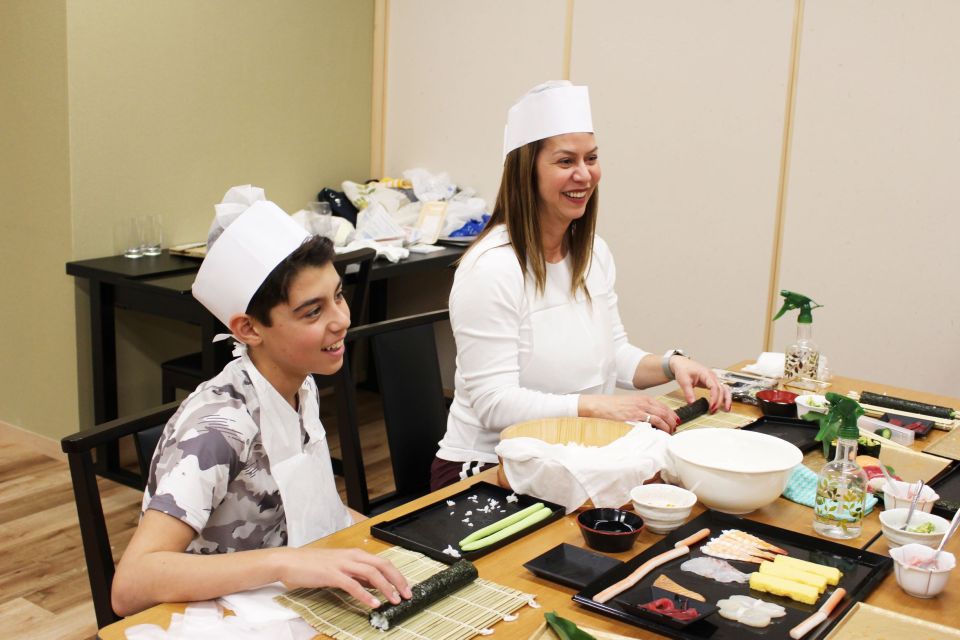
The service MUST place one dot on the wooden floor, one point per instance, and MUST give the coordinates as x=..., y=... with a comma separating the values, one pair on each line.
x=44, y=592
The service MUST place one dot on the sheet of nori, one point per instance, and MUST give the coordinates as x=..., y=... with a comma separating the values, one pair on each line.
x=437, y=586
x=948, y=487
x=892, y=402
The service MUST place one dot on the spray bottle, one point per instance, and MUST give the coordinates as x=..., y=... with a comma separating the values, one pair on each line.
x=803, y=356
x=842, y=484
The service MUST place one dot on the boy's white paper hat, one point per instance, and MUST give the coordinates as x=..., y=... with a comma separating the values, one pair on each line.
x=250, y=246
x=549, y=109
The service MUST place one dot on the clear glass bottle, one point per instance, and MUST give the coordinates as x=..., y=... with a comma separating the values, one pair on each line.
x=842, y=484
x=803, y=356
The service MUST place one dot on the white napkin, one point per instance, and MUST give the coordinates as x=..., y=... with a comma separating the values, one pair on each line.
x=206, y=620
x=769, y=364
x=258, y=605
x=570, y=474
x=391, y=253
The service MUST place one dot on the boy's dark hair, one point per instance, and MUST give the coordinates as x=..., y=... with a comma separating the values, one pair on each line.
x=315, y=252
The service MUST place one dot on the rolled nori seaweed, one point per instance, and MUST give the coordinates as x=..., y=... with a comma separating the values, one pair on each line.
x=693, y=410
x=425, y=593
x=912, y=406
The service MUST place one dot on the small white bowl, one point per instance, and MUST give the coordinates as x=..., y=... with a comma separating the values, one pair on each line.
x=663, y=507
x=811, y=402
x=921, y=583
x=900, y=488
x=892, y=519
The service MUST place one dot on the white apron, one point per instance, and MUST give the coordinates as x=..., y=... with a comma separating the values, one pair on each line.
x=311, y=504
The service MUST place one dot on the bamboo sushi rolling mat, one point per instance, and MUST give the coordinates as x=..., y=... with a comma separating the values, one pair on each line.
x=721, y=419
x=463, y=614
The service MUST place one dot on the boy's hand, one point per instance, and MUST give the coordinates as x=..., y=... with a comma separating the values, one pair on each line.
x=347, y=569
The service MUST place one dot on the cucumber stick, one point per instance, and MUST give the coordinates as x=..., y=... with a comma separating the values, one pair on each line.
x=500, y=524
x=505, y=532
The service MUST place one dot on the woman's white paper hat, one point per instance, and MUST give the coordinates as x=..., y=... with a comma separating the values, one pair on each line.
x=549, y=109
x=242, y=257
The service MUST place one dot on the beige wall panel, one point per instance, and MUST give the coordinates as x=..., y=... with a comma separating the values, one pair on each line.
x=688, y=104
x=38, y=384
x=173, y=102
x=871, y=217
x=454, y=67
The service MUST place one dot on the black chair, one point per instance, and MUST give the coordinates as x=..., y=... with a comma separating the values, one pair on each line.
x=186, y=372
x=414, y=408
x=146, y=428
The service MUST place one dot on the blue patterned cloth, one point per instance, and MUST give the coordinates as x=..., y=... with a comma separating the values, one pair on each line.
x=802, y=489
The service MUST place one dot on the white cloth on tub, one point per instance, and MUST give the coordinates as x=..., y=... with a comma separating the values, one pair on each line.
x=570, y=474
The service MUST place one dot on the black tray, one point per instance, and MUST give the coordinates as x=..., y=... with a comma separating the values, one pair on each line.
x=431, y=529
x=800, y=433
x=571, y=566
x=948, y=488
x=862, y=572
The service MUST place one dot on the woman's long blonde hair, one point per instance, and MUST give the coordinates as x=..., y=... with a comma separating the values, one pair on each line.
x=518, y=208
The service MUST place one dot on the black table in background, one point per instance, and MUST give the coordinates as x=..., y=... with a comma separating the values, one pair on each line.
x=161, y=286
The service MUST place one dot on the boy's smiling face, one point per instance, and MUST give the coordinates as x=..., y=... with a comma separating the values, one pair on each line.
x=307, y=331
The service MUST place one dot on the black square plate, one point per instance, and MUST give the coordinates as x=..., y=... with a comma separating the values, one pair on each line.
x=862, y=572
x=433, y=528
x=801, y=433
x=948, y=488
x=571, y=566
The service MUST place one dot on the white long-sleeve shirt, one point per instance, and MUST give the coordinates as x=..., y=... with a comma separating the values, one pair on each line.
x=523, y=355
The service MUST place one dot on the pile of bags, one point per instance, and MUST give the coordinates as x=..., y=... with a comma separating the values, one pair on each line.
x=386, y=214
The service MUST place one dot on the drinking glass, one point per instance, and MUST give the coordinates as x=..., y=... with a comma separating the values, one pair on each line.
x=128, y=237
x=152, y=235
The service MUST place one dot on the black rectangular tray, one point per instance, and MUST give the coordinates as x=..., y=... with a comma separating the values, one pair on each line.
x=431, y=529
x=800, y=433
x=571, y=566
x=862, y=572
x=948, y=488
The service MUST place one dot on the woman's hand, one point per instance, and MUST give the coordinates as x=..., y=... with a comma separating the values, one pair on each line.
x=348, y=569
x=690, y=373
x=629, y=407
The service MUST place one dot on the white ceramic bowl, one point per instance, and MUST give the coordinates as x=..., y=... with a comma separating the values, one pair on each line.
x=892, y=519
x=921, y=582
x=811, y=402
x=890, y=500
x=731, y=470
x=663, y=507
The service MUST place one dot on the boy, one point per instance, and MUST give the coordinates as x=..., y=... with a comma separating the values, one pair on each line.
x=241, y=477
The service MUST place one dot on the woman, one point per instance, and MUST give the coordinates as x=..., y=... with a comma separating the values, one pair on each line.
x=533, y=307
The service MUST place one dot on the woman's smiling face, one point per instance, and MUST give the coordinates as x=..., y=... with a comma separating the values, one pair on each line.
x=568, y=170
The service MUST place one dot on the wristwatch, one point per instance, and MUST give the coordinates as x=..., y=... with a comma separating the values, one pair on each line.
x=665, y=363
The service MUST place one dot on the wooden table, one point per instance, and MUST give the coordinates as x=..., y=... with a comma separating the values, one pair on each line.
x=505, y=565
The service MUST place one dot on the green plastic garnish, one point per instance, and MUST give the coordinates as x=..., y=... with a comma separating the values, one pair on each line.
x=565, y=629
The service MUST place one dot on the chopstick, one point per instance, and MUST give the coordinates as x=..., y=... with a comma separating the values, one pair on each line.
x=819, y=616
x=682, y=548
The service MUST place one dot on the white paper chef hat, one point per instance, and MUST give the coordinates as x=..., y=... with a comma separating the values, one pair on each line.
x=549, y=109
x=252, y=244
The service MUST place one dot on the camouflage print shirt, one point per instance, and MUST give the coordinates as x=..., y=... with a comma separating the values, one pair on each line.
x=210, y=469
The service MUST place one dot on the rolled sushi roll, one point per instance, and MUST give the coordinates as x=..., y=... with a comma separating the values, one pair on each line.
x=425, y=593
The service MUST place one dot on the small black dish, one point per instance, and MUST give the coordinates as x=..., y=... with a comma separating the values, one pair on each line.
x=653, y=594
x=610, y=530
x=571, y=566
